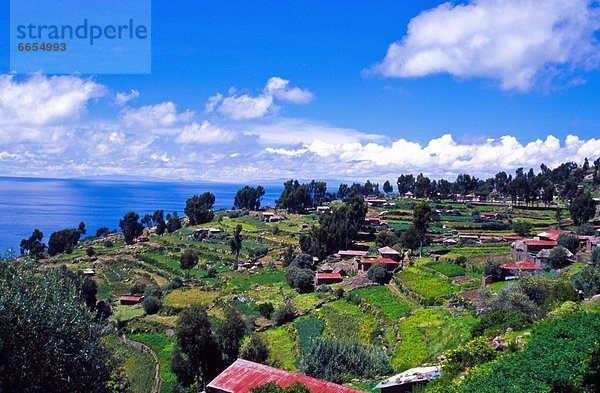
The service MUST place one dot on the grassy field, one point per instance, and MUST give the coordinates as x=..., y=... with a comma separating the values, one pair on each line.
x=381, y=298
x=447, y=269
x=140, y=371
x=282, y=346
x=426, y=334
x=426, y=284
x=163, y=346
x=185, y=297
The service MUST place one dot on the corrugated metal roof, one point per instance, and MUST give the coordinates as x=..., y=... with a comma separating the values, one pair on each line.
x=243, y=375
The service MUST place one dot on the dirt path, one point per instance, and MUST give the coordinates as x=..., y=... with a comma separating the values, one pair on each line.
x=142, y=347
x=394, y=289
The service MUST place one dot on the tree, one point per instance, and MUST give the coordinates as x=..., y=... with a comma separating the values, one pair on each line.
x=173, y=222
x=377, y=273
x=596, y=256
x=158, y=217
x=387, y=187
x=493, y=267
x=588, y=280
x=199, y=350
x=33, y=246
x=188, y=259
x=130, y=226
x=255, y=350
x=295, y=197
x=63, y=241
x=248, y=198
x=49, y=339
x=88, y=292
x=569, y=242
x=299, y=273
x=147, y=220
x=558, y=258
x=230, y=333
x=81, y=228
x=284, y=314
x=102, y=231
x=521, y=228
x=236, y=242
x=151, y=304
x=582, y=208
x=405, y=184
x=199, y=208
x=411, y=238
x=421, y=217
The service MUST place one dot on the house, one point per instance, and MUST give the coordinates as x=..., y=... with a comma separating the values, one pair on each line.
x=525, y=250
x=389, y=252
x=373, y=200
x=405, y=381
x=205, y=232
x=326, y=268
x=513, y=269
x=365, y=263
x=346, y=254
x=88, y=272
x=323, y=209
x=327, y=278
x=243, y=375
x=493, y=216
x=409, y=195
x=376, y=222
x=129, y=300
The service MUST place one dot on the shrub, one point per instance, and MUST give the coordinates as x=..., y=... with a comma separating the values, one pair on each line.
x=265, y=309
x=255, y=350
x=275, y=230
x=558, y=257
x=588, y=280
x=175, y=283
x=335, y=360
x=284, y=314
x=90, y=251
x=469, y=355
x=496, y=322
x=378, y=273
x=493, y=267
x=596, y=256
x=300, y=279
x=151, y=305
x=137, y=287
x=211, y=272
x=461, y=260
x=569, y=242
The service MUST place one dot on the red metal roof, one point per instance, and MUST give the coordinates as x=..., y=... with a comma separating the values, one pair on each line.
x=329, y=275
x=523, y=265
x=388, y=250
x=243, y=375
x=130, y=298
x=384, y=260
x=542, y=243
x=354, y=253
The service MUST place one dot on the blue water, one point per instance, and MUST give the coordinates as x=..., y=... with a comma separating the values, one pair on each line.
x=54, y=204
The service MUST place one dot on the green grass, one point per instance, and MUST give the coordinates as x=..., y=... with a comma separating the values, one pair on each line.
x=163, y=346
x=125, y=313
x=308, y=329
x=104, y=291
x=447, y=269
x=140, y=371
x=381, y=298
x=425, y=284
x=185, y=297
x=428, y=333
x=347, y=321
x=283, y=350
x=243, y=281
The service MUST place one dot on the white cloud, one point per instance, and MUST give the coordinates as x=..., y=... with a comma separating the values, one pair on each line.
x=205, y=133
x=516, y=42
x=163, y=115
x=246, y=106
x=443, y=156
x=123, y=98
x=40, y=100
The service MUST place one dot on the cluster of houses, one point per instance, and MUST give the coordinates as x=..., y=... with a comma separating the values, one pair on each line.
x=533, y=253
x=359, y=261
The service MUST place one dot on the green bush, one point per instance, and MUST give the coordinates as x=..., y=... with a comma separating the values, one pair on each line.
x=377, y=273
x=151, y=305
x=284, y=314
x=308, y=329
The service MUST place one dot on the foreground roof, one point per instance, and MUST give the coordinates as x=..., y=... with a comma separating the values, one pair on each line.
x=243, y=375
x=417, y=374
x=523, y=265
x=388, y=250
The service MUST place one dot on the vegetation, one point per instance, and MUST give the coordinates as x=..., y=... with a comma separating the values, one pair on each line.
x=198, y=209
x=248, y=198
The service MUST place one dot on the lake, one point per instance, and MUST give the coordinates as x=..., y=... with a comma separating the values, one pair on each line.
x=54, y=204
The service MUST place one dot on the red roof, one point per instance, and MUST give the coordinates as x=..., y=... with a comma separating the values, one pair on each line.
x=243, y=375
x=523, y=265
x=329, y=276
x=130, y=298
x=353, y=253
x=388, y=250
x=383, y=260
x=541, y=243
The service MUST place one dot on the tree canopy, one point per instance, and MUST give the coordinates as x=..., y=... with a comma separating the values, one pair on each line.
x=130, y=226
x=199, y=208
x=248, y=198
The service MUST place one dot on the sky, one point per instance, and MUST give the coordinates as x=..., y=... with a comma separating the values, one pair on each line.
x=352, y=90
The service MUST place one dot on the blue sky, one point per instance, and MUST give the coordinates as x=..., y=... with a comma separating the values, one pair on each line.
x=336, y=90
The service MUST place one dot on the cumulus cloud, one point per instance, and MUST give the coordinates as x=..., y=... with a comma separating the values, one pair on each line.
x=123, y=98
x=516, y=42
x=155, y=116
x=41, y=100
x=246, y=106
x=444, y=156
x=205, y=133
